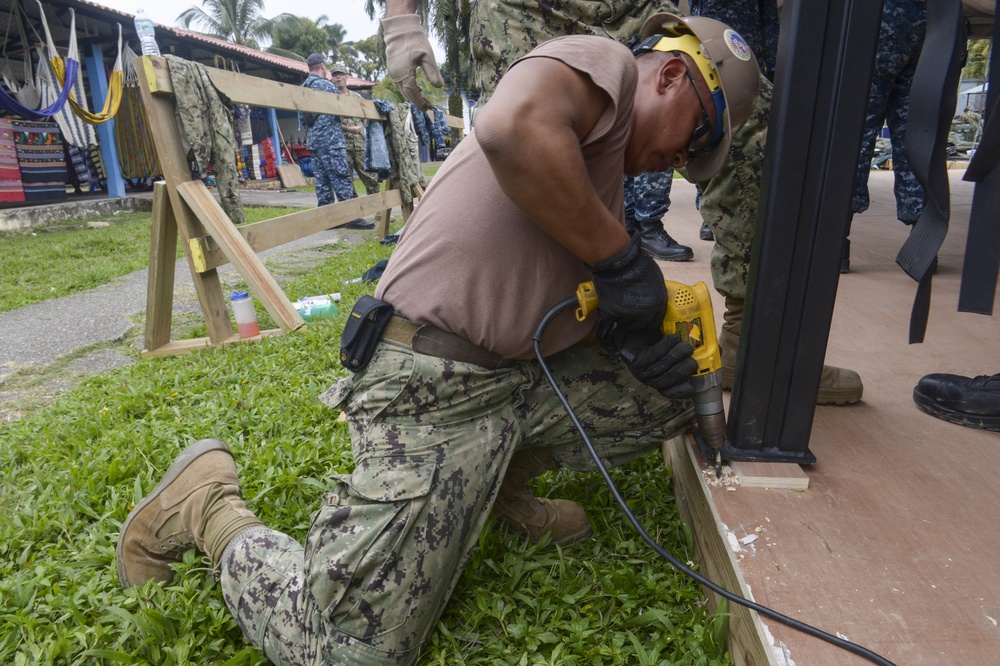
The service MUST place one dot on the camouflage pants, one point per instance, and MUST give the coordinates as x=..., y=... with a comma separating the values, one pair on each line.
x=647, y=197
x=900, y=40
x=432, y=439
x=332, y=176
x=356, y=162
x=503, y=30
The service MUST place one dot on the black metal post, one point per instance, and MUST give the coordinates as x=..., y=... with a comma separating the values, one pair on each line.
x=826, y=53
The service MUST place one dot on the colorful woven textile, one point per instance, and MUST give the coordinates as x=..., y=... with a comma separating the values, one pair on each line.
x=97, y=162
x=76, y=165
x=10, y=174
x=136, y=151
x=40, y=158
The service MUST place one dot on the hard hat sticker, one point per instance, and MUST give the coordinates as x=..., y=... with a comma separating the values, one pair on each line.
x=737, y=45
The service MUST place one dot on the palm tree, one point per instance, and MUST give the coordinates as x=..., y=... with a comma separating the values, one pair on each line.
x=238, y=21
x=335, y=34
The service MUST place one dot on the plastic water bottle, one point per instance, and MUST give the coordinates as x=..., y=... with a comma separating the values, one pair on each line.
x=147, y=34
x=311, y=308
x=246, y=316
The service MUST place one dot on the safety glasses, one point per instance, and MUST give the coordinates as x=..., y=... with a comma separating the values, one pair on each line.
x=701, y=137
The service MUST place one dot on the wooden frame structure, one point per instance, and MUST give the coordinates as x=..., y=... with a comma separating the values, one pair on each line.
x=186, y=207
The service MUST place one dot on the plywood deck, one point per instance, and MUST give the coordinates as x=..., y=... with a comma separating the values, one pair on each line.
x=894, y=545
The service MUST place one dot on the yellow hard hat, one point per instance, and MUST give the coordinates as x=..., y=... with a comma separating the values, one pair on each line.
x=726, y=63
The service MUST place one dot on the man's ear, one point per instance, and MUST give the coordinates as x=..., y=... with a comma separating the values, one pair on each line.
x=671, y=72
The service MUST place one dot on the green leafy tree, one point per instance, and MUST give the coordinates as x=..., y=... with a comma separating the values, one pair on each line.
x=451, y=23
x=335, y=34
x=364, y=58
x=298, y=36
x=979, y=55
x=238, y=21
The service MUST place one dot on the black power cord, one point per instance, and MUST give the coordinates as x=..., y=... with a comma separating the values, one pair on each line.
x=763, y=610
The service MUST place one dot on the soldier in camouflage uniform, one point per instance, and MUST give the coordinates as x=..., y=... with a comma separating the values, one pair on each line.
x=502, y=30
x=325, y=140
x=447, y=426
x=354, y=134
x=900, y=40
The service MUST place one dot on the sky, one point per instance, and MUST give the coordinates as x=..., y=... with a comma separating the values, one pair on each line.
x=348, y=13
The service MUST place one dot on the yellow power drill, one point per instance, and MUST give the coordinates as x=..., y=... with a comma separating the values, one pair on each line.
x=690, y=317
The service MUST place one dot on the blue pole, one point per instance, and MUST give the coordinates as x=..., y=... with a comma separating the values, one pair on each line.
x=272, y=116
x=105, y=131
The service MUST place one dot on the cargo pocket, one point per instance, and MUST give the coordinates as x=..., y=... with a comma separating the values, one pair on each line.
x=363, y=558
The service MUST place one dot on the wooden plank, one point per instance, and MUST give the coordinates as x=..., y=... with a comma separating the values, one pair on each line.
x=291, y=175
x=243, y=89
x=179, y=347
x=246, y=261
x=746, y=641
x=287, y=228
x=785, y=476
x=162, y=262
x=174, y=165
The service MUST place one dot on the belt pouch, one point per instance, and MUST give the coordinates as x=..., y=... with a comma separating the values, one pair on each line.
x=362, y=332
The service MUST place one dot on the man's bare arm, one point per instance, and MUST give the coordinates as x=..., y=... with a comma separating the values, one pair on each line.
x=531, y=131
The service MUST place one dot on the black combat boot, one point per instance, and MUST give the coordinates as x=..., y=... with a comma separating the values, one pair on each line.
x=658, y=244
x=971, y=402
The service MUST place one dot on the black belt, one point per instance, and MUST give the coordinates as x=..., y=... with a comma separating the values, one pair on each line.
x=432, y=341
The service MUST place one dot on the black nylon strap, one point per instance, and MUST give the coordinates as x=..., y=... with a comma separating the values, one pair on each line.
x=982, y=249
x=933, y=96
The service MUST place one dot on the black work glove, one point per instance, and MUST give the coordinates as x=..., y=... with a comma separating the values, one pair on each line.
x=665, y=365
x=631, y=295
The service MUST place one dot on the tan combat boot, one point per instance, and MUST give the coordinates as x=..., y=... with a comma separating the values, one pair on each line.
x=837, y=386
x=564, y=521
x=197, y=504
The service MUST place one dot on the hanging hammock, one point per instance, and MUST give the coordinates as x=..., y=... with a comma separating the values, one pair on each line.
x=75, y=131
x=136, y=152
x=72, y=67
x=114, y=97
x=26, y=93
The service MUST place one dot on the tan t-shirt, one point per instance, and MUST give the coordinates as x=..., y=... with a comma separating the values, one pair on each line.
x=470, y=262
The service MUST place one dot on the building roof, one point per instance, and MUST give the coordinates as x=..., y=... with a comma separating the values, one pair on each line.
x=96, y=23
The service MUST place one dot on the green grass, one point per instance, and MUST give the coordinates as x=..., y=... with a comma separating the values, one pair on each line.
x=70, y=473
x=69, y=258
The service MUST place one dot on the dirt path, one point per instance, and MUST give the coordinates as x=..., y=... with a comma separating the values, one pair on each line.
x=51, y=347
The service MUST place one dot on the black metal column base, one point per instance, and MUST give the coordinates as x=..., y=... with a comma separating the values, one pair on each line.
x=729, y=452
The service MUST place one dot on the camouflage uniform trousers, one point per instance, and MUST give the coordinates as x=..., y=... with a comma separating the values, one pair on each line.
x=901, y=37
x=432, y=439
x=356, y=162
x=647, y=197
x=356, y=151
x=332, y=175
x=757, y=21
x=503, y=30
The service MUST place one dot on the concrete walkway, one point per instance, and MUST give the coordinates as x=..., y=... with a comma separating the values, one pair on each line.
x=69, y=336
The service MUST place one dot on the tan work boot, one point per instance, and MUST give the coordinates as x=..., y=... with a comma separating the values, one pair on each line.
x=197, y=504
x=837, y=386
x=564, y=521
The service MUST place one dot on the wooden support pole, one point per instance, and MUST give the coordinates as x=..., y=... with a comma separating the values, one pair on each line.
x=246, y=261
x=162, y=263
x=174, y=164
x=280, y=230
